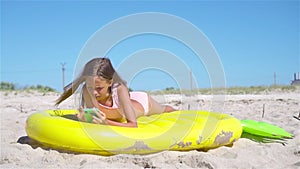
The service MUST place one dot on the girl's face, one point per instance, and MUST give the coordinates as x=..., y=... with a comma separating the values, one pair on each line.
x=101, y=88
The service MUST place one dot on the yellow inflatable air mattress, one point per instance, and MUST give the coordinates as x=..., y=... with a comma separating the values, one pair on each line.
x=179, y=130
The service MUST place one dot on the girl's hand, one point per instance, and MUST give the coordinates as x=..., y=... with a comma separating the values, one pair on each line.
x=81, y=116
x=101, y=119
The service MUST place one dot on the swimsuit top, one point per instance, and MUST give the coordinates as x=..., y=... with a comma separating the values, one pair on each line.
x=115, y=112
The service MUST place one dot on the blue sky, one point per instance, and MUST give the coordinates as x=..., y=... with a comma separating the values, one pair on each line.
x=253, y=39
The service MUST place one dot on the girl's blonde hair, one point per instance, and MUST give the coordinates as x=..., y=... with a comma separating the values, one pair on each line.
x=100, y=67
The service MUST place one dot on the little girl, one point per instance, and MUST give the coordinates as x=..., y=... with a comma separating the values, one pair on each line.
x=104, y=89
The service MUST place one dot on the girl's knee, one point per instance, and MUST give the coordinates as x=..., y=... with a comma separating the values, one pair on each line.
x=169, y=109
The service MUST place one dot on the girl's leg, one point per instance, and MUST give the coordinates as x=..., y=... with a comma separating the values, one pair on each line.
x=156, y=108
x=169, y=108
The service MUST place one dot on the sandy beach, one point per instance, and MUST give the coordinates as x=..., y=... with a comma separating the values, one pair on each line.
x=275, y=107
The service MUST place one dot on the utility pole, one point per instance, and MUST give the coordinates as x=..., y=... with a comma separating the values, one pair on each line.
x=274, y=78
x=191, y=80
x=63, y=74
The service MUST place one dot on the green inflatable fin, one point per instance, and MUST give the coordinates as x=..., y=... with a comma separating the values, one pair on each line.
x=263, y=132
x=263, y=139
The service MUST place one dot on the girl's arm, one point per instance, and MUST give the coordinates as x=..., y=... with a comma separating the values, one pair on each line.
x=115, y=123
x=126, y=105
x=101, y=119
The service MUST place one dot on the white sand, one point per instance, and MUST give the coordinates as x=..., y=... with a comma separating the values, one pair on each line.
x=279, y=110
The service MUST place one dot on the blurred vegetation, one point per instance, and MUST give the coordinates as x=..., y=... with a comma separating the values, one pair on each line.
x=229, y=90
x=6, y=86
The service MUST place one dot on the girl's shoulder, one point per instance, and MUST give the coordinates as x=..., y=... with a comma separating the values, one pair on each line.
x=116, y=85
x=119, y=88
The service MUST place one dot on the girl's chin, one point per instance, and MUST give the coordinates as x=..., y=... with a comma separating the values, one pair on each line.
x=98, y=98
